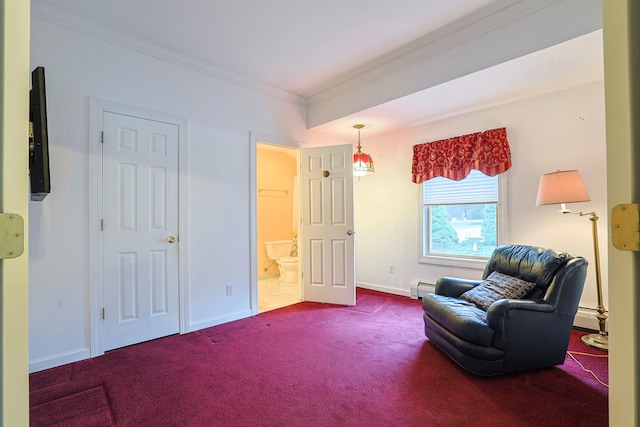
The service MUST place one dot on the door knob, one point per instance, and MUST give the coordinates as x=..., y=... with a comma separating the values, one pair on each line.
x=171, y=239
x=350, y=232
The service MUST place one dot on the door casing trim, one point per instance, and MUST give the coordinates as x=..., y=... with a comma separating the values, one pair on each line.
x=256, y=138
x=97, y=108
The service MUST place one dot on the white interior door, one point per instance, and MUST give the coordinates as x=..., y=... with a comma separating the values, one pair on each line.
x=326, y=184
x=140, y=225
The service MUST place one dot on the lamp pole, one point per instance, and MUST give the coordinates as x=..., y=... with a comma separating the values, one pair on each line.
x=601, y=339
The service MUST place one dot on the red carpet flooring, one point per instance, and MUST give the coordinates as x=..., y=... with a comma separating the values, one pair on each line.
x=313, y=365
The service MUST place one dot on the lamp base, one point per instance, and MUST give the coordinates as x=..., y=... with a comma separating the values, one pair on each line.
x=600, y=341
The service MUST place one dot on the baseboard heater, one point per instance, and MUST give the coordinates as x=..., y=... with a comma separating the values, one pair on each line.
x=420, y=289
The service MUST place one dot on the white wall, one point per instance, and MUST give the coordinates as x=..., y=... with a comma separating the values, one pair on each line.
x=562, y=130
x=220, y=117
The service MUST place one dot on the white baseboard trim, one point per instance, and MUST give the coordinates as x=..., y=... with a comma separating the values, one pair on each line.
x=386, y=289
x=215, y=321
x=58, y=359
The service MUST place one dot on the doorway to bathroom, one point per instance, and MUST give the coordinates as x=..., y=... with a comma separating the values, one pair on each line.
x=278, y=220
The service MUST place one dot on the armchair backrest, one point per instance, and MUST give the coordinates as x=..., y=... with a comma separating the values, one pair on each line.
x=538, y=265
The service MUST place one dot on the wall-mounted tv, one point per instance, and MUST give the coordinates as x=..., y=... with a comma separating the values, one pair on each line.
x=38, y=137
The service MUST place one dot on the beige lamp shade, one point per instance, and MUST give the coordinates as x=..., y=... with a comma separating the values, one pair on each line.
x=561, y=187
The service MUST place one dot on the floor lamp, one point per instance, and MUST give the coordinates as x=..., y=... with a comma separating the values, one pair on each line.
x=567, y=187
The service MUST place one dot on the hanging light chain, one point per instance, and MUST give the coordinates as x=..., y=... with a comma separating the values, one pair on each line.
x=359, y=146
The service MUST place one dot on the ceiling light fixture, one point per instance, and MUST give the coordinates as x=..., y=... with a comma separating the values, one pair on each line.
x=362, y=163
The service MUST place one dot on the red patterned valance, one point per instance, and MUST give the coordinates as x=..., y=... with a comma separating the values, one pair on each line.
x=454, y=158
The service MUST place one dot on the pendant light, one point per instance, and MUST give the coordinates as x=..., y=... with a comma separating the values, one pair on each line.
x=362, y=163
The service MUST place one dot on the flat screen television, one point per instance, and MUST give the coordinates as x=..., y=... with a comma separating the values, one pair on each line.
x=38, y=137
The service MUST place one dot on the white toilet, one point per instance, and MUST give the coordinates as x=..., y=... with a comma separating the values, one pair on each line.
x=280, y=251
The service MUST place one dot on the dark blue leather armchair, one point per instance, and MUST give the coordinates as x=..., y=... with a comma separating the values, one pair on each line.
x=512, y=334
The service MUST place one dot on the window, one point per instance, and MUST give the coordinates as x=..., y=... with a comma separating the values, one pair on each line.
x=460, y=218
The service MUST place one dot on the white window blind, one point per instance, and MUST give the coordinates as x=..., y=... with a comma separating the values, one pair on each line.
x=475, y=188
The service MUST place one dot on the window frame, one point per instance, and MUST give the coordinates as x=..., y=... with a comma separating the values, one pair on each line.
x=462, y=261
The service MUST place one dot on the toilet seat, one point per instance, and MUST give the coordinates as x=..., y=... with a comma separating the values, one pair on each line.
x=288, y=259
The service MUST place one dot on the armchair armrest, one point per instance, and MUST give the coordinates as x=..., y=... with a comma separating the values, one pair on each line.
x=454, y=287
x=499, y=309
x=524, y=318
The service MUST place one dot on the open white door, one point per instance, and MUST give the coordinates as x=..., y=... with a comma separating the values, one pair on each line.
x=326, y=187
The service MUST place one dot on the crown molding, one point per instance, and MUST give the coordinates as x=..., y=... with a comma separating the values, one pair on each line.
x=90, y=28
x=483, y=21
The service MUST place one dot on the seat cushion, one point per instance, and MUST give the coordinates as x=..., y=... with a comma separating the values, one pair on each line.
x=460, y=317
x=495, y=287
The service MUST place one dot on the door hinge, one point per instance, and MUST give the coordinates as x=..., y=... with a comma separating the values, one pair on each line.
x=101, y=224
x=102, y=313
x=101, y=137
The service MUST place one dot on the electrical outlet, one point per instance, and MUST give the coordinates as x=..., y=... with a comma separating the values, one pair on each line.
x=229, y=290
x=391, y=268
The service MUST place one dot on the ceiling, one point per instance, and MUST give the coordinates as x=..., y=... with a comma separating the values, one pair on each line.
x=305, y=47
x=570, y=64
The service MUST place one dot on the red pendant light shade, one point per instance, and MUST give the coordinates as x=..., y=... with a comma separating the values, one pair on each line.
x=362, y=162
